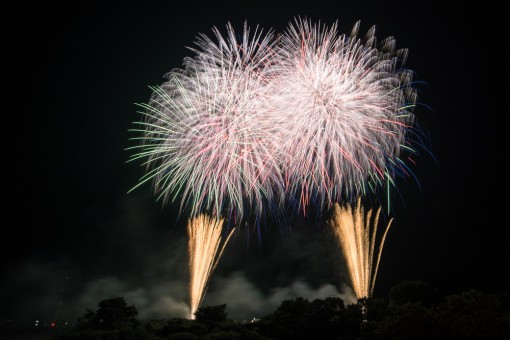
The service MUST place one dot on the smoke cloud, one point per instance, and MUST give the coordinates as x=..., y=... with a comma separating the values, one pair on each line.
x=245, y=301
x=130, y=249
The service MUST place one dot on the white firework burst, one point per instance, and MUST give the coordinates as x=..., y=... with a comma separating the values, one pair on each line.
x=345, y=106
x=207, y=132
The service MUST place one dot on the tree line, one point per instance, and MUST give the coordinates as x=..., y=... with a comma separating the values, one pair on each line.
x=412, y=310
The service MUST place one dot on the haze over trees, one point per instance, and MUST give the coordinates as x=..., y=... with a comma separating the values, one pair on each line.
x=412, y=310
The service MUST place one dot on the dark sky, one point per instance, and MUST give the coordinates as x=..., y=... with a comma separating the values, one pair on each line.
x=73, y=76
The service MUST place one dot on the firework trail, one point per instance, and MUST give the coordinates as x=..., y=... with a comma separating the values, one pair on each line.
x=205, y=247
x=345, y=107
x=357, y=236
x=207, y=135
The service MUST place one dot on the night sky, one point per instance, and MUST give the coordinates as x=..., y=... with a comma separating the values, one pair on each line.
x=74, y=74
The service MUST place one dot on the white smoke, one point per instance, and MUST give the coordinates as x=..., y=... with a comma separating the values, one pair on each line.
x=245, y=301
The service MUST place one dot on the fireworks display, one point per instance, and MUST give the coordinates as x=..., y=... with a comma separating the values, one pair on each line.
x=255, y=123
x=311, y=117
x=205, y=246
x=357, y=236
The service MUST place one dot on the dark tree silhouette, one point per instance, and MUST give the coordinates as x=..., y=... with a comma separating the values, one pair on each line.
x=474, y=315
x=181, y=326
x=211, y=315
x=410, y=313
x=289, y=321
x=112, y=314
x=114, y=320
x=414, y=292
x=404, y=322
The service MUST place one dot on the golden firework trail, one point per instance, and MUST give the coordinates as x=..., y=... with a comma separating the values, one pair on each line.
x=357, y=236
x=205, y=248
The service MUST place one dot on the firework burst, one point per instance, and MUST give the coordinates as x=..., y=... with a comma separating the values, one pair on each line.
x=207, y=134
x=345, y=106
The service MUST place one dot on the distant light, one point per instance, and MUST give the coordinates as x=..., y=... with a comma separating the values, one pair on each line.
x=52, y=324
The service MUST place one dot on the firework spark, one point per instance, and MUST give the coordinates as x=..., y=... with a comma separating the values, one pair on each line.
x=345, y=107
x=205, y=246
x=357, y=236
